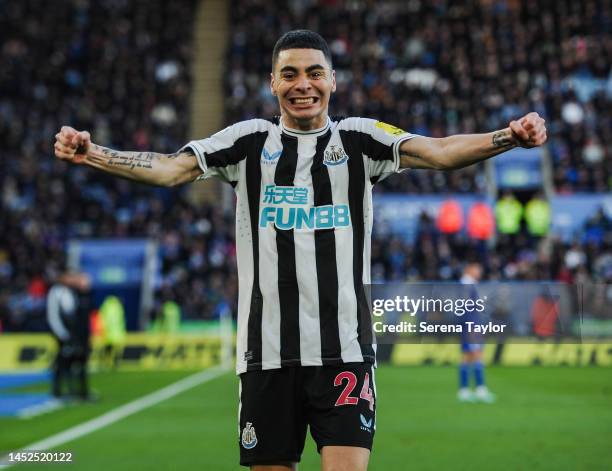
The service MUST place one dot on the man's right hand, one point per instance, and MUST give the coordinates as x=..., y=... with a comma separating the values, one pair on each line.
x=72, y=145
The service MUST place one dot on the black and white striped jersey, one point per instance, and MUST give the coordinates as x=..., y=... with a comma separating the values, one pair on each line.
x=303, y=230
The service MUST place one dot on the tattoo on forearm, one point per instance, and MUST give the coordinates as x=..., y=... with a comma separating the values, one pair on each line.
x=131, y=160
x=502, y=139
x=103, y=157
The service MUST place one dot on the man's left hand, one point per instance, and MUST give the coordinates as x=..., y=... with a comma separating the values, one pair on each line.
x=529, y=131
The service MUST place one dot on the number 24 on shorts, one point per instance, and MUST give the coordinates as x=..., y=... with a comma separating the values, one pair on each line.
x=345, y=398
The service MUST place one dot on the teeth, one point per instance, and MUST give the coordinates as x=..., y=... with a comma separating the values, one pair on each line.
x=302, y=101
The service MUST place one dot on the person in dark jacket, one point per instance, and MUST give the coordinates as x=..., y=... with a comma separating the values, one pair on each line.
x=68, y=307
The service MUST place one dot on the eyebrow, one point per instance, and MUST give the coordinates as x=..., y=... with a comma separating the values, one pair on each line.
x=290, y=68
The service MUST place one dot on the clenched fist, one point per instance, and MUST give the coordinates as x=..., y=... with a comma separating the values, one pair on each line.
x=529, y=131
x=72, y=145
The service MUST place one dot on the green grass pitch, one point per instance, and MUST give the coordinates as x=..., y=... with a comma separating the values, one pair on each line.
x=553, y=418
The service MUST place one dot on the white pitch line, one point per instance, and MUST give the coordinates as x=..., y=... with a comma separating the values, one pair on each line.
x=121, y=412
x=39, y=409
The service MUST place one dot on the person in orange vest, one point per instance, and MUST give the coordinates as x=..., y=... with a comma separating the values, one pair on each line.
x=481, y=222
x=544, y=315
x=96, y=327
x=450, y=217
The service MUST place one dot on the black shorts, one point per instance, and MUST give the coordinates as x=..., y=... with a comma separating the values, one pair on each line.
x=277, y=406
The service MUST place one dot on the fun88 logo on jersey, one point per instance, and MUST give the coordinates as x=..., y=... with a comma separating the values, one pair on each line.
x=286, y=207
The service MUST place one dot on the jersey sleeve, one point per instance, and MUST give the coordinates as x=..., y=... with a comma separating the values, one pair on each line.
x=382, y=147
x=220, y=155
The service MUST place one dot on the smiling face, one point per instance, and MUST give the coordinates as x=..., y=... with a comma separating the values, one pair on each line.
x=303, y=81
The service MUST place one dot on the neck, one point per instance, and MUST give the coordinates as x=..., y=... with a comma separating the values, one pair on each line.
x=304, y=124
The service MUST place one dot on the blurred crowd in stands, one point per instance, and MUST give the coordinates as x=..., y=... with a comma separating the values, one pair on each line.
x=446, y=67
x=520, y=255
x=121, y=69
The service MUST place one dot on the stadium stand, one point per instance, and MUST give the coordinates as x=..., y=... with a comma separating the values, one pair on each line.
x=439, y=68
x=127, y=79
x=122, y=70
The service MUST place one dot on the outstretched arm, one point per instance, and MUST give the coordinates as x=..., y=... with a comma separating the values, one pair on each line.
x=147, y=167
x=453, y=152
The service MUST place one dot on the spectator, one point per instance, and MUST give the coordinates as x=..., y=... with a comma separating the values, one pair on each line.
x=442, y=68
x=508, y=213
x=545, y=315
x=68, y=307
x=537, y=216
x=113, y=321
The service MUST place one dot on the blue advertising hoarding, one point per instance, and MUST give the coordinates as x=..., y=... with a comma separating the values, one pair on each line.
x=125, y=268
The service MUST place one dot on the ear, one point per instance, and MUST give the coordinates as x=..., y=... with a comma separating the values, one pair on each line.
x=272, y=84
x=333, y=77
